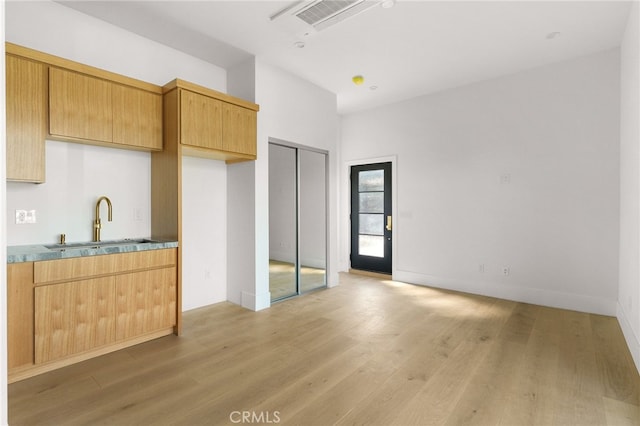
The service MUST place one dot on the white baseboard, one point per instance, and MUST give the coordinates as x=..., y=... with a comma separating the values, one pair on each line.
x=630, y=336
x=256, y=302
x=554, y=299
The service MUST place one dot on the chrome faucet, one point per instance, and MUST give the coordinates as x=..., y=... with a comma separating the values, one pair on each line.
x=97, y=224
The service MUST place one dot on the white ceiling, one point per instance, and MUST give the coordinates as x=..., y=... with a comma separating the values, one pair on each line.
x=411, y=49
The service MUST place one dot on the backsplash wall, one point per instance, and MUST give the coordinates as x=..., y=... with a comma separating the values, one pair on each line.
x=77, y=175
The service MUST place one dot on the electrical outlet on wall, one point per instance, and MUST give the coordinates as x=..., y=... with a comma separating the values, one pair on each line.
x=505, y=178
x=506, y=270
x=25, y=216
x=21, y=217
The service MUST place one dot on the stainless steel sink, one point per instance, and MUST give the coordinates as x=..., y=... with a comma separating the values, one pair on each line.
x=98, y=244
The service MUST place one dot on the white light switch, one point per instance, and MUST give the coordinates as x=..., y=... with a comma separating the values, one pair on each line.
x=31, y=216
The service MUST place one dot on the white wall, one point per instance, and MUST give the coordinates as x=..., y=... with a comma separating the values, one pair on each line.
x=241, y=80
x=293, y=110
x=58, y=30
x=241, y=237
x=629, y=287
x=519, y=171
x=204, y=233
x=3, y=240
x=78, y=174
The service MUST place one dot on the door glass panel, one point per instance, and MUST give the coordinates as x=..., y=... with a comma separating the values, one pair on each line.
x=371, y=197
x=313, y=234
x=371, y=180
x=371, y=245
x=282, y=222
x=371, y=202
x=372, y=224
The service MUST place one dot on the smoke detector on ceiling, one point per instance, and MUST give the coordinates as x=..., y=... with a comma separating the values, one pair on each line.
x=304, y=18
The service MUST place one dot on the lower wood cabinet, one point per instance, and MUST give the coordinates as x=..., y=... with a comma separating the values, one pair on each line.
x=68, y=310
x=19, y=315
x=74, y=317
x=145, y=302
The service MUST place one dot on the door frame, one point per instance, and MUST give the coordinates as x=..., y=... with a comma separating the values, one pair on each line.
x=346, y=208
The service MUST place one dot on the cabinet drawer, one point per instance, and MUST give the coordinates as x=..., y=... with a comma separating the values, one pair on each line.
x=90, y=266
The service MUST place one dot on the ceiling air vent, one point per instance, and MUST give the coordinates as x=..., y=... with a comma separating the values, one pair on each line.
x=308, y=17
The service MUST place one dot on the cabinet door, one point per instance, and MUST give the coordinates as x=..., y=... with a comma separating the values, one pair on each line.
x=26, y=99
x=80, y=106
x=137, y=117
x=19, y=314
x=200, y=120
x=73, y=317
x=239, y=130
x=146, y=302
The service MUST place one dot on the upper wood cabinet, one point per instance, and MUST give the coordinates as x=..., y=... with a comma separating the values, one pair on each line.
x=80, y=106
x=201, y=121
x=53, y=97
x=137, y=117
x=239, y=131
x=26, y=109
x=210, y=124
x=90, y=109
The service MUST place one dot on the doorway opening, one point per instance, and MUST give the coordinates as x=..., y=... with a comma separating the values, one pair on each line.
x=297, y=219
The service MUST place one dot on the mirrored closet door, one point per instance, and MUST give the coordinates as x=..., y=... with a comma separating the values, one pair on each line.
x=297, y=220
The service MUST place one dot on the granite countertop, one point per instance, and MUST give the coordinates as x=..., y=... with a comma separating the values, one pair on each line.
x=34, y=253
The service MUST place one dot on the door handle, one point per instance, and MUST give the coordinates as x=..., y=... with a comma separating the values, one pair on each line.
x=388, y=223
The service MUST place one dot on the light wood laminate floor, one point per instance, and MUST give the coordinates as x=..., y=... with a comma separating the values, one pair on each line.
x=368, y=352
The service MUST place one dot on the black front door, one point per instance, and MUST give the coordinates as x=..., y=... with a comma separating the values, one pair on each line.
x=371, y=224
